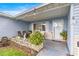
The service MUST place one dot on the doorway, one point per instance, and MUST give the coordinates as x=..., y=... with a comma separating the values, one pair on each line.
x=58, y=27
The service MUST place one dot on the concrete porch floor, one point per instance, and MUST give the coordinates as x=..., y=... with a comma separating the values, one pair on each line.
x=53, y=48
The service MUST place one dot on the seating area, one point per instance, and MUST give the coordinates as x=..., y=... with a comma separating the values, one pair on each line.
x=24, y=33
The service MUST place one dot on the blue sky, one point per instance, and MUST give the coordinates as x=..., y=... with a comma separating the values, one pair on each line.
x=15, y=8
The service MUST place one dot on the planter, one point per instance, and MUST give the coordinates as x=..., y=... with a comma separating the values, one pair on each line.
x=36, y=47
x=23, y=47
x=28, y=44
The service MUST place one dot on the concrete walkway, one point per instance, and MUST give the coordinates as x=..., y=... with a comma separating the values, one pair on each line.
x=53, y=48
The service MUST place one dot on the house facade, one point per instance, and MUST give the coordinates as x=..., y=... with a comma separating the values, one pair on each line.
x=51, y=19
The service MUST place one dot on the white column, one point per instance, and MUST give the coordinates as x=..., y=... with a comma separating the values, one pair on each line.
x=70, y=31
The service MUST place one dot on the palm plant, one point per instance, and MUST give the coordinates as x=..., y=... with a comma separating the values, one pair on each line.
x=64, y=35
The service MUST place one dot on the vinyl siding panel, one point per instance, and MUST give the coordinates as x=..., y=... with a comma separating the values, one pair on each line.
x=75, y=28
x=9, y=27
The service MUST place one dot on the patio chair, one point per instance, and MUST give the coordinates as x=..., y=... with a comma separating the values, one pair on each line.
x=23, y=33
x=28, y=34
x=20, y=34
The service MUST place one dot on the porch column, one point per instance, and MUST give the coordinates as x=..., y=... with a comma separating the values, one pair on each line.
x=70, y=31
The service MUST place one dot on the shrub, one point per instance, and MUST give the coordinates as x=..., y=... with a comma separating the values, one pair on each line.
x=64, y=35
x=36, y=38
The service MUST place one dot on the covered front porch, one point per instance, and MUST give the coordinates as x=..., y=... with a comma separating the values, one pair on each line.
x=51, y=22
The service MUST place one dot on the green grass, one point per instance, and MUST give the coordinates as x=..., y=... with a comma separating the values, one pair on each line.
x=11, y=52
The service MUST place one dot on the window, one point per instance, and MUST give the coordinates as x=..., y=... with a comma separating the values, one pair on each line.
x=34, y=26
x=39, y=27
x=43, y=28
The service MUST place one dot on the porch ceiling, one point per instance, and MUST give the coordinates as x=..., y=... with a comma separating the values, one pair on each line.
x=48, y=13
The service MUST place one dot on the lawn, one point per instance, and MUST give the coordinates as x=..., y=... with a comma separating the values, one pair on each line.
x=11, y=52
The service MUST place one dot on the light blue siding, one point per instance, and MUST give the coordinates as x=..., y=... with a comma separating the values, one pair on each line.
x=73, y=29
x=75, y=24
x=76, y=19
x=50, y=25
x=10, y=27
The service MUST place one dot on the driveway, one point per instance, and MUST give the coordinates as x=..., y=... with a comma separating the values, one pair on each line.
x=53, y=48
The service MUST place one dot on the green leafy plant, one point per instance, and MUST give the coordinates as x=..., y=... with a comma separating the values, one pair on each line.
x=64, y=35
x=36, y=38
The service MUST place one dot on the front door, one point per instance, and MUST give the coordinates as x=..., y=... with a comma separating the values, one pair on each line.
x=58, y=27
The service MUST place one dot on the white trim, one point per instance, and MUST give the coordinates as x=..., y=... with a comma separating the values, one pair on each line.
x=71, y=30
x=5, y=15
x=53, y=8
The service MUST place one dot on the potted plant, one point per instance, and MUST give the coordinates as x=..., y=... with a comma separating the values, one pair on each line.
x=36, y=39
x=64, y=35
